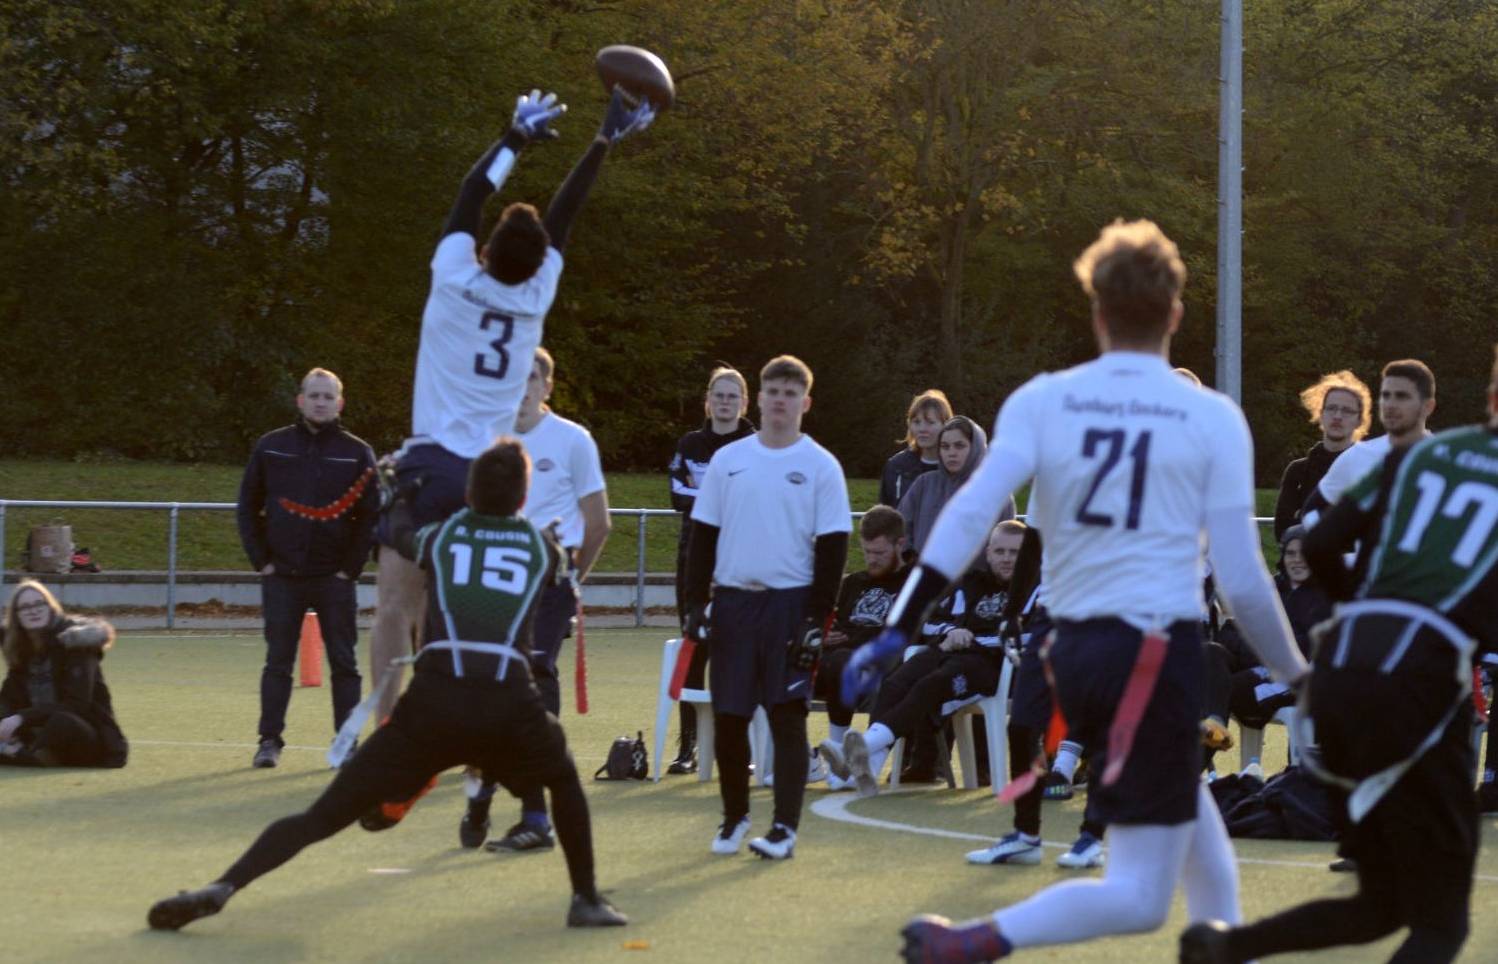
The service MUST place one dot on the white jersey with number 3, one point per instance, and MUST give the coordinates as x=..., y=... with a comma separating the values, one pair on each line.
x=1128, y=459
x=478, y=338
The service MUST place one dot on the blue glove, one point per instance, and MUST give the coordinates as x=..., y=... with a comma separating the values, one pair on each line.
x=533, y=113
x=625, y=116
x=864, y=671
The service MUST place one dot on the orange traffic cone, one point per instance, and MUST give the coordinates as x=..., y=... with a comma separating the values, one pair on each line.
x=311, y=651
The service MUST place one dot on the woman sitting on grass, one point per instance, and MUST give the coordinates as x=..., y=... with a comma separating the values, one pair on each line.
x=54, y=706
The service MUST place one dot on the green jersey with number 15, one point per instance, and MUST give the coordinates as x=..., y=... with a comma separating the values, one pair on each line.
x=484, y=574
x=1437, y=543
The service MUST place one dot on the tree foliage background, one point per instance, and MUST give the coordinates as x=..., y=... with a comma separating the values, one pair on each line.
x=203, y=199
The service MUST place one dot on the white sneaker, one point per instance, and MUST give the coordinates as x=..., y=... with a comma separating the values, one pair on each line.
x=1085, y=854
x=1012, y=848
x=838, y=784
x=832, y=756
x=856, y=753
x=778, y=844
x=728, y=840
x=816, y=769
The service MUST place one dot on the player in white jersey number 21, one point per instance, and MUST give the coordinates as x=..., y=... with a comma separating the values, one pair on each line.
x=1132, y=465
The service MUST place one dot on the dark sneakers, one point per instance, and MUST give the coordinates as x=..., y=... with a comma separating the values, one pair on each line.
x=267, y=755
x=522, y=837
x=685, y=763
x=593, y=912
x=473, y=829
x=936, y=940
x=1205, y=943
x=1057, y=787
x=189, y=905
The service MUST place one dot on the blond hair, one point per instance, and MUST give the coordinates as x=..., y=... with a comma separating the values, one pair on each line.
x=931, y=400
x=322, y=373
x=733, y=375
x=1134, y=275
x=1313, y=399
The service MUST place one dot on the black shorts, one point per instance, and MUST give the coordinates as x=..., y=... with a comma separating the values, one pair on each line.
x=1091, y=662
x=442, y=722
x=750, y=639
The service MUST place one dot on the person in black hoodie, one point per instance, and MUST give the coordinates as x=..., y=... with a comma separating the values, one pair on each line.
x=1341, y=404
x=307, y=507
x=936, y=681
x=725, y=404
x=55, y=709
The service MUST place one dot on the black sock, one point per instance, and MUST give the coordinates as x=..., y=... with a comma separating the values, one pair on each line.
x=569, y=809
x=788, y=732
x=731, y=746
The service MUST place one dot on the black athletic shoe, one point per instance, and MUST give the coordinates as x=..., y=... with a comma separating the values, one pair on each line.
x=1343, y=865
x=1205, y=943
x=189, y=905
x=594, y=912
x=522, y=837
x=473, y=829
x=686, y=763
x=267, y=755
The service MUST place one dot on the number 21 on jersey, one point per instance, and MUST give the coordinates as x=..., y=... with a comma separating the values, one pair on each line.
x=1108, y=447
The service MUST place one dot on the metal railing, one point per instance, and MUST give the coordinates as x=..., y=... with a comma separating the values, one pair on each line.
x=174, y=509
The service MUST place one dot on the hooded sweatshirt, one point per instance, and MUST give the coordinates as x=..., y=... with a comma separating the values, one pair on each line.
x=923, y=503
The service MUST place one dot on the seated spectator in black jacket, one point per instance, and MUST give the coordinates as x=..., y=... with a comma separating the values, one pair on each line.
x=55, y=709
x=927, y=413
x=1343, y=408
x=862, y=603
x=937, y=681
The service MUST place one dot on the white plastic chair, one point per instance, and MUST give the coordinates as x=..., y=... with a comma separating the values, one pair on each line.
x=995, y=710
x=1251, y=740
x=759, y=729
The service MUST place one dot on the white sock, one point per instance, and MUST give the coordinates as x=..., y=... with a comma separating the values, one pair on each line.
x=876, y=761
x=879, y=737
x=1210, y=876
x=836, y=733
x=1068, y=755
x=1144, y=865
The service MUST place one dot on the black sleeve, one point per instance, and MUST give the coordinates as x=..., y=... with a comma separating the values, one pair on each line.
x=679, y=476
x=702, y=559
x=829, y=557
x=468, y=210
x=1287, y=505
x=1315, y=503
x=574, y=191
x=249, y=512
x=362, y=517
x=887, y=494
x=1341, y=528
x=403, y=528
x=847, y=594
x=13, y=696
x=929, y=589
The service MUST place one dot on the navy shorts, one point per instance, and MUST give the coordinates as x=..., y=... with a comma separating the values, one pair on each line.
x=749, y=641
x=444, y=484
x=1091, y=661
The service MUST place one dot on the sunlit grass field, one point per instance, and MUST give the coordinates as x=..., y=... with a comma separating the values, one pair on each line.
x=85, y=853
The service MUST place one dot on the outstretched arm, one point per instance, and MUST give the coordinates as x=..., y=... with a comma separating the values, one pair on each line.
x=533, y=114
x=619, y=122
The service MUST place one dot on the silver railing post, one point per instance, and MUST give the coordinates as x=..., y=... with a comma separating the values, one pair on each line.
x=171, y=568
x=640, y=570
x=2, y=543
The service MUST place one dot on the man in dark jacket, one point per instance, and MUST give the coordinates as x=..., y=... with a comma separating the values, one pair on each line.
x=1341, y=405
x=306, y=519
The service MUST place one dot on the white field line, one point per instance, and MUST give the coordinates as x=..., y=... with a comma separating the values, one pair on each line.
x=290, y=746
x=834, y=806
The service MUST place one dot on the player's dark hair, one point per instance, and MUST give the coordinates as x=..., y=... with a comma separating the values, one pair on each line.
x=882, y=520
x=1026, y=576
x=932, y=400
x=517, y=245
x=499, y=477
x=1416, y=371
x=789, y=368
x=1134, y=275
x=960, y=423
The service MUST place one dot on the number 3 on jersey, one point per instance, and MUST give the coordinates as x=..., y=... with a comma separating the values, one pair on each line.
x=1108, y=444
x=481, y=362
x=504, y=567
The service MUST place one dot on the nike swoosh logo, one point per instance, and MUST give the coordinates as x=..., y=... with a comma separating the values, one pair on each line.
x=734, y=472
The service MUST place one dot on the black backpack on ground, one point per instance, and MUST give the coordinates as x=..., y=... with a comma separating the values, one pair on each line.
x=627, y=760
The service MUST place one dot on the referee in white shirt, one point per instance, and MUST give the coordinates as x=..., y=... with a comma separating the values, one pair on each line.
x=769, y=540
x=566, y=489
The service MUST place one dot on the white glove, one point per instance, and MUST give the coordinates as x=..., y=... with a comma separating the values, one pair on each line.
x=533, y=112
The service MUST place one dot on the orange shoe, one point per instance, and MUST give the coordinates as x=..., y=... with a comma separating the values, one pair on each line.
x=383, y=816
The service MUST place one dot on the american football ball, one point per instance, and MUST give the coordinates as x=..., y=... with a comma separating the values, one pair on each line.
x=640, y=72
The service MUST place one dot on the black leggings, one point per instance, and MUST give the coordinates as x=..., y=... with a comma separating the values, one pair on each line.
x=731, y=745
x=64, y=739
x=1026, y=744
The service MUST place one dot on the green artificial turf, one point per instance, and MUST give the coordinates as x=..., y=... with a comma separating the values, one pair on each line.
x=87, y=852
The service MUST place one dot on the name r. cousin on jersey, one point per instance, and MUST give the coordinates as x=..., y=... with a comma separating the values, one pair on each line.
x=493, y=535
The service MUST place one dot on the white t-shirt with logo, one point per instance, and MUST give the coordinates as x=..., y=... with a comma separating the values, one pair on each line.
x=1128, y=460
x=770, y=506
x=478, y=338
x=565, y=468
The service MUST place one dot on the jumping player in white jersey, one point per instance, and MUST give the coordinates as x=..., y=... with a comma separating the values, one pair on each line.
x=482, y=323
x=1132, y=466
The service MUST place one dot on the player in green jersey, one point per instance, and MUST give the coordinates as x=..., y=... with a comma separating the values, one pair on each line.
x=1400, y=653
x=471, y=700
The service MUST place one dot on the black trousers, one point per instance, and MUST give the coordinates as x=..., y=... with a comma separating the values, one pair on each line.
x=911, y=698
x=62, y=739
x=441, y=722
x=284, y=601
